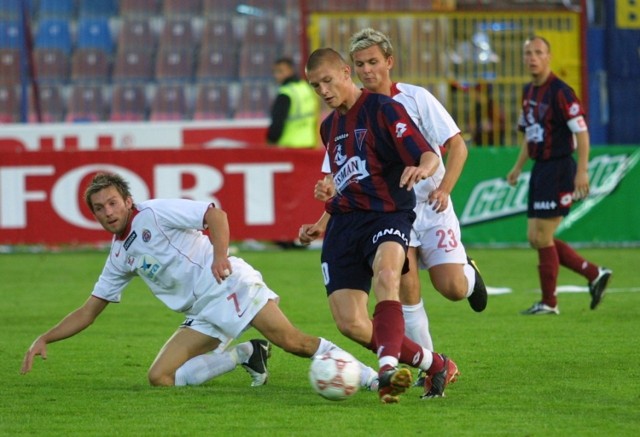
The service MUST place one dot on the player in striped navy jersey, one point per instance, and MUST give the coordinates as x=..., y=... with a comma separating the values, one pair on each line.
x=551, y=116
x=376, y=155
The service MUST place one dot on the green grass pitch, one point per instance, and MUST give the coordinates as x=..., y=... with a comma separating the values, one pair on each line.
x=576, y=374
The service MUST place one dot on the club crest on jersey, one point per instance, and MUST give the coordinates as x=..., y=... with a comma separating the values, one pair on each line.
x=574, y=109
x=339, y=158
x=353, y=170
x=360, y=134
x=401, y=128
x=146, y=235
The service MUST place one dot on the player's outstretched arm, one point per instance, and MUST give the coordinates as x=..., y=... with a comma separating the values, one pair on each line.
x=73, y=323
x=456, y=157
x=411, y=175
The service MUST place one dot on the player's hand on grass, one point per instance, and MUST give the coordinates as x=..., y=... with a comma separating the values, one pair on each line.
x=39, y=347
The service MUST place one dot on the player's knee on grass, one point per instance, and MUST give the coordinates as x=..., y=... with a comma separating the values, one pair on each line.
x=160, y=379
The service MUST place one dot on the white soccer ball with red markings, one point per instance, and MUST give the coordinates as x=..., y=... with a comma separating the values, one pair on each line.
x=335, y=375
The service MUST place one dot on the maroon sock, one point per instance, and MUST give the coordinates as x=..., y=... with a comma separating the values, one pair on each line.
x=571, y=260
x=437, y=364
x=410, y=352
x=548, y=270
x=388, y=328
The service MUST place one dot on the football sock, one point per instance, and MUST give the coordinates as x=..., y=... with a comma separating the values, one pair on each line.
x=416, y=325
x=572, y=260
x=207, y=366
x=470, y=274
x=548, y=271
x=412, y=353
x=324, y=347
x=437, y=363
x=388, y=331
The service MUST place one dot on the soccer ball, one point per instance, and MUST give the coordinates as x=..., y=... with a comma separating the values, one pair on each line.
x=335, y=375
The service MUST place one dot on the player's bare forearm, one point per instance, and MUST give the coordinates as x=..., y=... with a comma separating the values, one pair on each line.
x=325, y=188
x=218, y=224
x=309, y=232
x=411, y=175
x=514, y=173
x=456, y=157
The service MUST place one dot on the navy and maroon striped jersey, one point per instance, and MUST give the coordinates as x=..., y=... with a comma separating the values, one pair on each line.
x=368, y=149
x=546, y=109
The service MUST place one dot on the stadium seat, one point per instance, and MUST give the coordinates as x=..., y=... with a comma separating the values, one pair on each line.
x=217, y=63
x=169, y=103
x=128, y=103
x=136, y=32
x=97, y=8
x=138, y=8
x=54, y=33
x=51, y=65
x=213, y=101
x=256, y=62
x=9, y=105
x=218, y=32
x=255, y=100
x=177, y=33
x=260, y=31
x=11, y=34
x=61, y=9
x=10, y=67
x=86, y=103
x=90, y=64
x=52, y=106
x=190, y=8
x=10, y=9
x=95, y=33
x=133, y=64
x=174, y=65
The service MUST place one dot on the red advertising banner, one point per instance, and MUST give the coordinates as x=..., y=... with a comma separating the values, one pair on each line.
x=267, y=193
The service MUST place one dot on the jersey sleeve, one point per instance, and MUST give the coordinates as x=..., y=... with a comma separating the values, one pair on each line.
x=568, y=104
x=179, y=213
x=437, y=125
x=408, y=140
x=111, y=282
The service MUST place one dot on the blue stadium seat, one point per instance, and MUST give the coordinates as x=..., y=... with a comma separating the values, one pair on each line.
x=95, y=33
x=10, y=9
x=64, y=9
x=11, y=35
x=54, y=33
x=97, y=8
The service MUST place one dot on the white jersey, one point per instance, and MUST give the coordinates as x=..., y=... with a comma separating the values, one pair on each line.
x=435, y=124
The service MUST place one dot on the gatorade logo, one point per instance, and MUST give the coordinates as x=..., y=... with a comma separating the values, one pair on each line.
x=494, y=198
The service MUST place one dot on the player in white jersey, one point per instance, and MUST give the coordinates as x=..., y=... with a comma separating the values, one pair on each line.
x=191, y=273
x=435, y=240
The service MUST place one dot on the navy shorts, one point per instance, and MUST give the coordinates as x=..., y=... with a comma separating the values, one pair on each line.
x=350, y=244
x=551, y=188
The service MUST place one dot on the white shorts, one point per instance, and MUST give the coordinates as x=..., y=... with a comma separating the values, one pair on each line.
x=437, y=236
x=228, y=309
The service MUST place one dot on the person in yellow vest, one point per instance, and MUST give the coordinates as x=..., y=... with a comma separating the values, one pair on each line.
x=295, y=111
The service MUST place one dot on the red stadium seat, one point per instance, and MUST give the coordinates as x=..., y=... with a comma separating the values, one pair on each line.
x=86, y=103
x=136, y=33
x=138, y=8
x=128, y=103
x=218, y=32
x=217, y=63
x=10, y=66
x=90, y=65
x=191, y=8
x=255, y=101
x=256, y=62
x=9, y=105
x=219, y=8
x=174, y=65
x=51, y=65
x=52, y=105
x=213, y=102
x=169, y=103
x=133, y=64
x=177, y=33
x=260, y=31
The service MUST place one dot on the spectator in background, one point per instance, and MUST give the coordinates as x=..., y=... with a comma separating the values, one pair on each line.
x=295, y=111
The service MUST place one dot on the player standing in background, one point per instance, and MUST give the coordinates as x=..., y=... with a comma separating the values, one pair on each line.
x=191, y=273
x=295, y=111
x=376, y=156
x=551, y=116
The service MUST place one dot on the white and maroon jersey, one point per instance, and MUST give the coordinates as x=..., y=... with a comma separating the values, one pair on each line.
x=435, y=124
x=165, y=247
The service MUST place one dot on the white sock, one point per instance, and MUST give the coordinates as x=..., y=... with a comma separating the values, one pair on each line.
x=416, y=325
x=427, y=360
x=204, y=367
x=367, y=374
x=470, y=274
